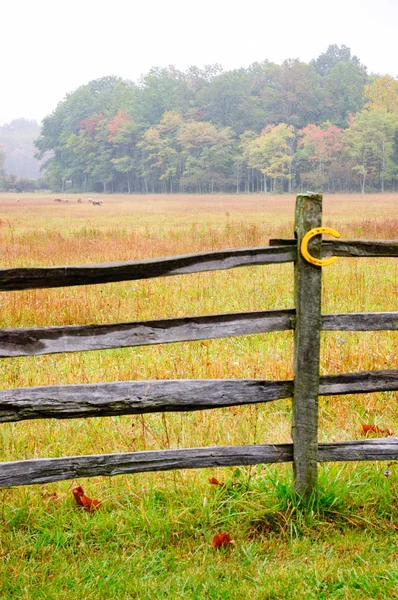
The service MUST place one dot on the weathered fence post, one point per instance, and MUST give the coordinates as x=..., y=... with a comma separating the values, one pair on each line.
x=307, y=297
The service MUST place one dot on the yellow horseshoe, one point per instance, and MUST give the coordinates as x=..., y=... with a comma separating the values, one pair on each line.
x=304, y=246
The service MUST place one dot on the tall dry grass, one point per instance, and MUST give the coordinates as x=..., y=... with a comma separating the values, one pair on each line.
x=36, y=231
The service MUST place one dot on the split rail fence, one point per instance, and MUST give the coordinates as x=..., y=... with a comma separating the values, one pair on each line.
x=139, y=397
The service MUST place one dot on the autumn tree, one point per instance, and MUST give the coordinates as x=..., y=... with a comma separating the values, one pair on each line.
x=319, y=155
x=124, y=135
x=382, y=94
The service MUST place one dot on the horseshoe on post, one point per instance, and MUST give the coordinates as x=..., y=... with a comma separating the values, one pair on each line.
x=319, y=262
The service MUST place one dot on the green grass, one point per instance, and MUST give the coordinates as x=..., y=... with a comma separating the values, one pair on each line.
x=152, y=536
x=154, y=539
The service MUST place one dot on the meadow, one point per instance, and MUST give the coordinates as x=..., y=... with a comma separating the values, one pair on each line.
x=152, y=536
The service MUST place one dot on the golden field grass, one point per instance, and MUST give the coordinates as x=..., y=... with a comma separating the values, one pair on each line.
x=35, y=231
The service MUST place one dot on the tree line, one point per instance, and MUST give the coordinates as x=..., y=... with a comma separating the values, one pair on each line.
x=324, y=125
x=19, y=170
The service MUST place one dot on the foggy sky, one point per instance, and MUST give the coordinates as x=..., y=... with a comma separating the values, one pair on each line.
x=50, y=48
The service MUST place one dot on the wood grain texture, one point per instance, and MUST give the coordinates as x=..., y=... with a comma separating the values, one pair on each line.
x=360, y=248
x=80, y=338
x=347, y=248
x=136, y=397
x=307, y=300
x=46, y=470
x=140, y=397
x=49, y=340
x=51, y=277
x=380, y=321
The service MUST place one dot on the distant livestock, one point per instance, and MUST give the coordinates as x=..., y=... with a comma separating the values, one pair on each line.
x=96, y=202
x=61, y=200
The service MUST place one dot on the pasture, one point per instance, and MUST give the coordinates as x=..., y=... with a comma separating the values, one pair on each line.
x=152, y=536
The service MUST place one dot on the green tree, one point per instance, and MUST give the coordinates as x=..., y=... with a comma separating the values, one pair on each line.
x=65, y=121
x=226, y=101
x=208, y=156
x=333, y=55
x=162, y=90
x=272, y=154
x=162, y=151
x=369, y=143
x=296, y=94
x=342, y=93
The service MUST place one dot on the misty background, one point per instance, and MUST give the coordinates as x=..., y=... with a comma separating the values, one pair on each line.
x=237, y=69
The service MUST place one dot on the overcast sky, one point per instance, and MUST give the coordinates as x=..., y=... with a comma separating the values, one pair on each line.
x=49, y=48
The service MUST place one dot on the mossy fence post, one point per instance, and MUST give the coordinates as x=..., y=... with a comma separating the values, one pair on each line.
x=307, y=298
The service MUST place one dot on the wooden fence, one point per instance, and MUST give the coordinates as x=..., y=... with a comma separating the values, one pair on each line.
x=139, y=397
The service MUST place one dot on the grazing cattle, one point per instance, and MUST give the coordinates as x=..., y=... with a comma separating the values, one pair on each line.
x=96, y=202
x=79, y=200
x=57, y=200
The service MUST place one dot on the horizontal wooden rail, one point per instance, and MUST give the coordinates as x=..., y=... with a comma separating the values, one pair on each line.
x=136, y=397
x=46, y=470
x=140, y=397
x=79, y=338
x=48, y=340
x=372, y=321
x=365, y=248
x=51, y=277
x=358, y=248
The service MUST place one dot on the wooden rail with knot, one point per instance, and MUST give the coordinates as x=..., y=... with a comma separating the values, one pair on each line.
x=140, y=397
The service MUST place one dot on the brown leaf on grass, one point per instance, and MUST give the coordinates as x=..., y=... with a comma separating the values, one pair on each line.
x=83, y=501
x=222, y=539
x=214, y=481
x=369, y=428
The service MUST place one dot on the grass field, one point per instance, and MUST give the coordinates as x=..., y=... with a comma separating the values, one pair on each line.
x=152, y=536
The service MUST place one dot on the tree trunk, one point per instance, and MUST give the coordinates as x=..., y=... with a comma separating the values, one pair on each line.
x=363, y=179
x=383, y=166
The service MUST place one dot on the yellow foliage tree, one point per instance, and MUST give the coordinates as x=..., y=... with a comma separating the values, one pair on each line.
x=382, y=94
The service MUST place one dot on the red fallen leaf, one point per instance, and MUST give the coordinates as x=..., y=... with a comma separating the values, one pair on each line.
x=222, y=539
x=214, y=481
x=372, y=428
x=82, y=500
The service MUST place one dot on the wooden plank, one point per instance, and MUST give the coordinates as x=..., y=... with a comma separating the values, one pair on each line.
x=40, y=471
x=46, y=470
x=140, y=397
x=307, y=300
x=380, y=321
x=35, y=341
x=49, y=340
x=364, y=382
x=358, y=248
x=51, y=277
x=136, y=397
x=375, y=449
